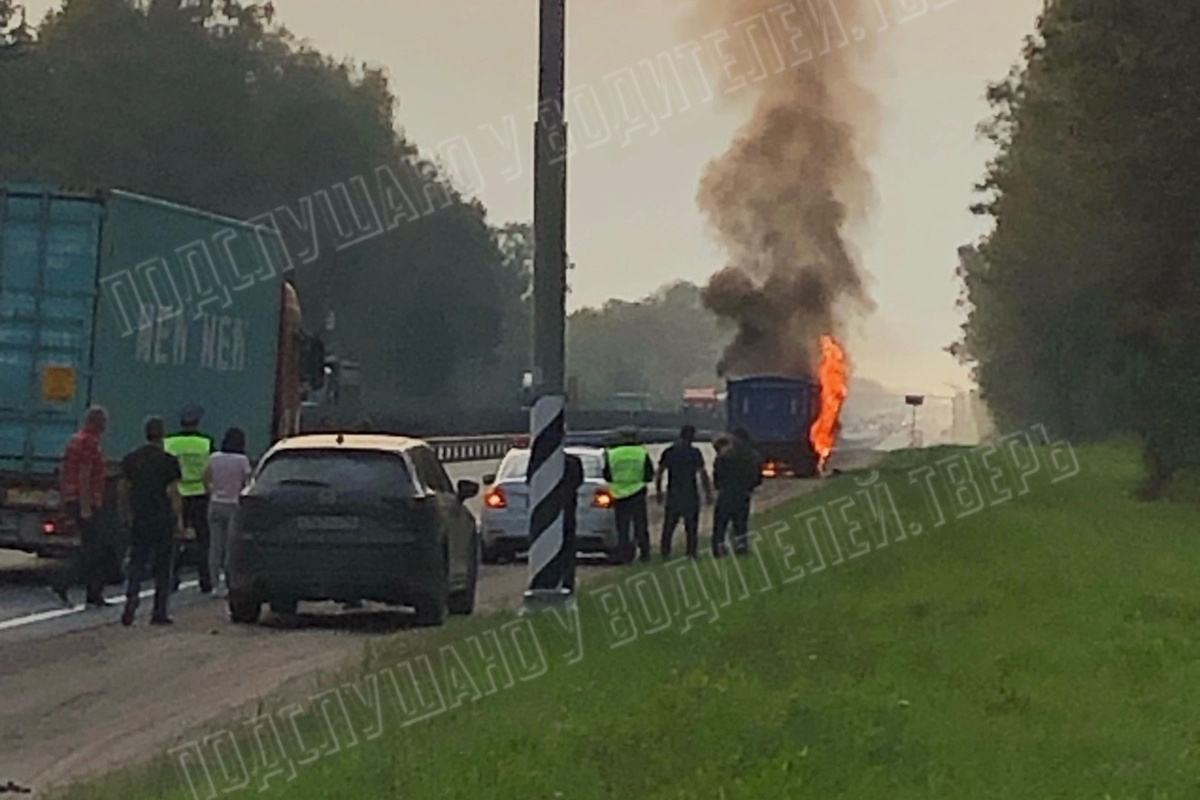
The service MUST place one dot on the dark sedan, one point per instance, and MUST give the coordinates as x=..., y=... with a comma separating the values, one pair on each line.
x=354, y=517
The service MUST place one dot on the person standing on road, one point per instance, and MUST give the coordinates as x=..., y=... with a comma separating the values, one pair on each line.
x=227, y=475
x=152, y=507
x=737, y=472
x=629, y=470
x=683, y=464
x=193, y=450
x=82, y=477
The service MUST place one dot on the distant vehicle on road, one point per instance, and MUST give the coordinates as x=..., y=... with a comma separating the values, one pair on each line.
x=779, y=412
x=354, y=517
x=505, y=515
x=142, y=306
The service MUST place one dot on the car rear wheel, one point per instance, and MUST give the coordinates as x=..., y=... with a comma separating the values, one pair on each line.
x=284, y=606
x=244, y=610
x=496, y=555
x=431, y=609
x=463, y=602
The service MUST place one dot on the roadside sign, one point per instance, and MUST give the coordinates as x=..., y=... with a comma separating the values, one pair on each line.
x=58, y=384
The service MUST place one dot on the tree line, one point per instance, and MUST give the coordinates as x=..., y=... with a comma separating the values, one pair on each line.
x=1084, y=299
x=216, y=104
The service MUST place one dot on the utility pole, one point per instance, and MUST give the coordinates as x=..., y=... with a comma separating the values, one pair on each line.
x=552, y=546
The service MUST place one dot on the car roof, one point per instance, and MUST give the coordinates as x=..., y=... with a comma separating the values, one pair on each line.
x=349, y=441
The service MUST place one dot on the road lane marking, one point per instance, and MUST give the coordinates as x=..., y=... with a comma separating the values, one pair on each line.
x=45, y=616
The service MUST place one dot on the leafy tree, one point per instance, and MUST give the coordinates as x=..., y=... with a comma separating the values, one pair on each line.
x=655, y=346
x=1082, y=299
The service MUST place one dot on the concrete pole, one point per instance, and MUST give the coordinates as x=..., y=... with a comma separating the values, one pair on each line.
x=550, y=206
x=552, y=548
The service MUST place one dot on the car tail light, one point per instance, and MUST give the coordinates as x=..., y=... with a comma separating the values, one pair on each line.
x=495, y=498
x=49, y=527
x=603, y=499
x=769, y=469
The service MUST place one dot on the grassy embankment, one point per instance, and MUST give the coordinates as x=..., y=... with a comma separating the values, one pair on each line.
x=1043, y=647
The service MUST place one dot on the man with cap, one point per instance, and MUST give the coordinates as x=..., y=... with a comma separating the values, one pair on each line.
x=193, y=449
x=629, y=470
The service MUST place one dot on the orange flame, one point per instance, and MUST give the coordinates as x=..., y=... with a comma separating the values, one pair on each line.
x=832, y=377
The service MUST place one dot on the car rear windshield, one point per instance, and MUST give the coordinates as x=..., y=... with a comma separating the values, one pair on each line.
x=385, y=474
x=516, y=464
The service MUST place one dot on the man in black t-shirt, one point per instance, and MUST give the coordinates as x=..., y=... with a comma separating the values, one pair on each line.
x=152, y=507
x=683, y=464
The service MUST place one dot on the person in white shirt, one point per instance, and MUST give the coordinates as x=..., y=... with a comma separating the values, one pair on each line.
x=227, y=475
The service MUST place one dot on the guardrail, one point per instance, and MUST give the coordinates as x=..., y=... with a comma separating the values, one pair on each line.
x=459, y=449
x=452, y=450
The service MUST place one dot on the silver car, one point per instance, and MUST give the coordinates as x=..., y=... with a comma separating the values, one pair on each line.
x=504, y=519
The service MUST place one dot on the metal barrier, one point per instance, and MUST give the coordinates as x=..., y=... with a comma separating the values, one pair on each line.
x=452, y=450
x=459, y=449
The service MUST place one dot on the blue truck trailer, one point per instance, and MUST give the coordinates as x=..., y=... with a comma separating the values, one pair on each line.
x=778, y=411
x=141, y=306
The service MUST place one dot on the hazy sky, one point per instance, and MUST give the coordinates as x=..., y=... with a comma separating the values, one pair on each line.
x=467, y=68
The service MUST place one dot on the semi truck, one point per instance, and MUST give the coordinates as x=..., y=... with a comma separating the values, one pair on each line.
x=778, y=411
x=141, y=306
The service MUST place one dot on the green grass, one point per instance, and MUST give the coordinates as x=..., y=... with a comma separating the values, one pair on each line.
x=1040, y=648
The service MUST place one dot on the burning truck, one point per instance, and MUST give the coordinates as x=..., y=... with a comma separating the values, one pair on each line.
x=792, y=420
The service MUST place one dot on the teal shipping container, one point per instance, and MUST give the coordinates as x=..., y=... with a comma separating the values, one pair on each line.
x=136, y=304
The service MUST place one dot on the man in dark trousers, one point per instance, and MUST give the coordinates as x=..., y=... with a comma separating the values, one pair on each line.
x=737, y=472
x=82, y=476
x=629, y=470
x=151, y=504
x=683, y=464
x=193, y=449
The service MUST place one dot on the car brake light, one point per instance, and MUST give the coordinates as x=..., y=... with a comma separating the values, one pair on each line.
x=603, y=499
x=495, y=498
x=769, y=469
x=49, y=527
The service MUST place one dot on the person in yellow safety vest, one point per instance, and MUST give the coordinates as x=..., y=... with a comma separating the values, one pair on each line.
x=193, y=449
x=629, y=471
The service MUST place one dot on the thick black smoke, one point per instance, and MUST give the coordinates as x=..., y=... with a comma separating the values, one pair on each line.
x=781, y=199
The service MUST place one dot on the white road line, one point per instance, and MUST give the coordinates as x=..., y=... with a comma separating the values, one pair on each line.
x=44, y=616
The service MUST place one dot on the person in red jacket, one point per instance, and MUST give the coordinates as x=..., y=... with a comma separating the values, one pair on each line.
x=82, y=477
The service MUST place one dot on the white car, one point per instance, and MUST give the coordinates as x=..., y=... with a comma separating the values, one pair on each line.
x=504, y=519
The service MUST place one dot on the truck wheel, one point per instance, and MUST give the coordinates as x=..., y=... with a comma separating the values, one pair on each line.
x=244, y=610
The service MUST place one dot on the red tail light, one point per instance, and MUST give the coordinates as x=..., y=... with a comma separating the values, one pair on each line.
x=603, y=499
x=49, y=527
x=769, y=469
x=495, y=498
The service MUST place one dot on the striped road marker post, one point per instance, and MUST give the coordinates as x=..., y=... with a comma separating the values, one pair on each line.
x=551, y=561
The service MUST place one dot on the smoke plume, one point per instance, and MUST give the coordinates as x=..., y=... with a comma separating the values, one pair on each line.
x=784, y=195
